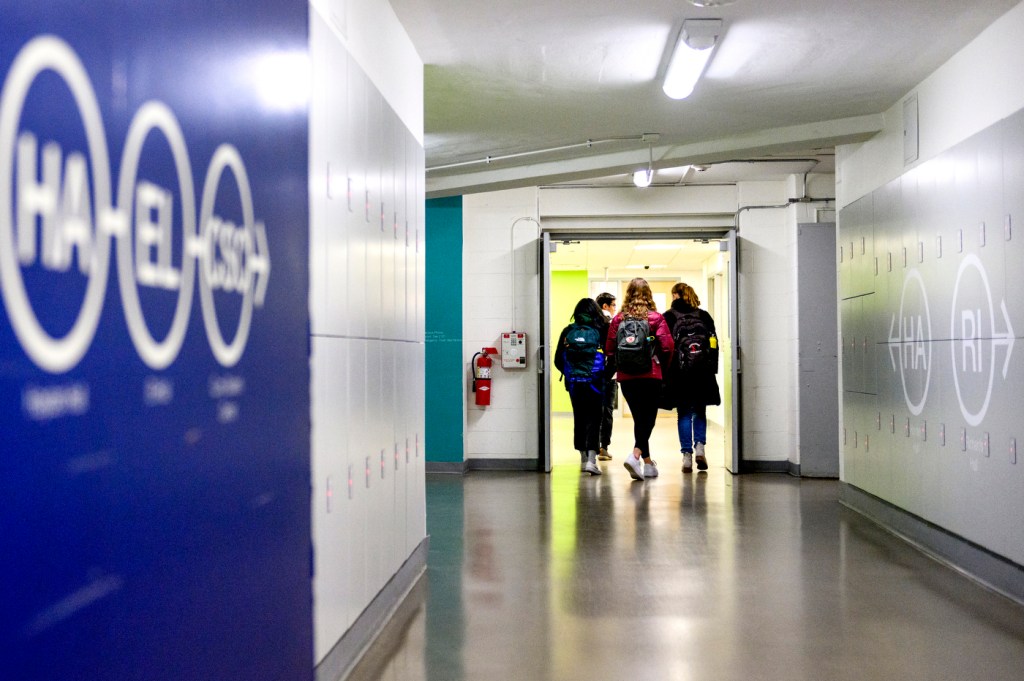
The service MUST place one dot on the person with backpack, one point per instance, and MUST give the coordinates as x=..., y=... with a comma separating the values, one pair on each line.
x=606, y=301
x=579, y=355
x=640, y=345
x=691, y=378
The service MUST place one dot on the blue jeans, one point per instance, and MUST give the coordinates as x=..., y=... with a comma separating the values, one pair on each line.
x=693, y=427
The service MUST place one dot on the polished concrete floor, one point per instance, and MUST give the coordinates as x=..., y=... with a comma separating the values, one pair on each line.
x=704, y=577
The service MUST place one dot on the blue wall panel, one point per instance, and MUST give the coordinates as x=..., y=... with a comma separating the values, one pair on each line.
x=154, y=381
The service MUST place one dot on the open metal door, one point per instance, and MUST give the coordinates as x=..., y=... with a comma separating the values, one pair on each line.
x=544, y=403
x=731, y=355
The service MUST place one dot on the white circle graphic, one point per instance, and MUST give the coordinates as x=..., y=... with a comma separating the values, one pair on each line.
x=226, y=157
x=917, y=407
x=156, y=355
x=972, y=418
x=55, y=355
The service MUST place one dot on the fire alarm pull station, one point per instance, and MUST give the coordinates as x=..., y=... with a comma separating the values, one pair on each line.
x=513, y=350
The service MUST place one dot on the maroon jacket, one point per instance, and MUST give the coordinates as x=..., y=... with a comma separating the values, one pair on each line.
x=664, y=346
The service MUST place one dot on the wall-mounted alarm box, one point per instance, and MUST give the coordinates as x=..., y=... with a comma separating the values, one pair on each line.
x=513, y=350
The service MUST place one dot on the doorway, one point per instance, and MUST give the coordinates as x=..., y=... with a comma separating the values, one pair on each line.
x=581, y=263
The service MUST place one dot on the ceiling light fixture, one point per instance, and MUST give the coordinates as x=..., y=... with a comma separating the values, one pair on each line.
x=693, y=50
x=643, y=177
x=710, y=3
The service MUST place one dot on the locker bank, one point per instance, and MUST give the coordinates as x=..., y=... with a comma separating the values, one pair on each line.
x=242, y=329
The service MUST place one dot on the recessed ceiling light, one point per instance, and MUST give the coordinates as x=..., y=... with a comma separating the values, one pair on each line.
x=710, y=3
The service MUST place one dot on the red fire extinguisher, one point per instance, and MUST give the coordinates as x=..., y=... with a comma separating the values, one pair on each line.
x=482, y=375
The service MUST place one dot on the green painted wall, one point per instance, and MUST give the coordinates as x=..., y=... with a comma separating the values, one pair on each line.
x=443, y=439
x=567, y=288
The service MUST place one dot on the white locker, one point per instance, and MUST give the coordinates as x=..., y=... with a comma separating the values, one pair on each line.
x=377, y=527
x=337, y=172
x=320, y=41
x=417, y=525
x=355, y=302
x=405, y=237
x=421, y=292
x=374, y=229
x=360, y=592
x=329, y=473
x=386, y=312
x=399, y=410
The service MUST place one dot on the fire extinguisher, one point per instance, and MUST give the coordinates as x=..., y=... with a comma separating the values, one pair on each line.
x=482, y=375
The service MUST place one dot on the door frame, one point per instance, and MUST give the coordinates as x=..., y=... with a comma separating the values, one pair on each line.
x=549, y=234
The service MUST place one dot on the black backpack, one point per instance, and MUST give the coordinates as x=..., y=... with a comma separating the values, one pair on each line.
x=693, y=343
x=634, y=346
x=583, y=357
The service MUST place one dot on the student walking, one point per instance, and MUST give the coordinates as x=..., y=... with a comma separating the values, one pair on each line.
x=579, y=355
x=607, y=303
x=640, y=344
x=692, y=374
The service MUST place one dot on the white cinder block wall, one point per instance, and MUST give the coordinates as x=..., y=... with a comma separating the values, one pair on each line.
x=366, y=308
x=767, y=322
x=507, y=429
x=767, y=303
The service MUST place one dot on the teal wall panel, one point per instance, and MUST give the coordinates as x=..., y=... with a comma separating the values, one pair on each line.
x=444, y=380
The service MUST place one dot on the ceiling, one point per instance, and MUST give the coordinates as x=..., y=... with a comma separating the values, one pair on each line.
x=570, y=91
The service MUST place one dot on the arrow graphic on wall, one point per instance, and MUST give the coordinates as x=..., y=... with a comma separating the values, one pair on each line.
x=1006, y=338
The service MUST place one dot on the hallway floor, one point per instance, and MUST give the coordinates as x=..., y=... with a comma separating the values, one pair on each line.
x=704, y=577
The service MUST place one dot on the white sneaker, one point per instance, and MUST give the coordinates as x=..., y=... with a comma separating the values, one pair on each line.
x=651, y=469
x=702, y=462
x=687, y=462
x=635, y=467
x=591, y=467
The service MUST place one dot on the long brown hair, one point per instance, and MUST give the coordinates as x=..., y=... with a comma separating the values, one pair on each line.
x=638, y=300
x=686, y=292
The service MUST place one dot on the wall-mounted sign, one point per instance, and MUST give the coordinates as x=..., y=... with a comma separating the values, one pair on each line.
x=154, y=367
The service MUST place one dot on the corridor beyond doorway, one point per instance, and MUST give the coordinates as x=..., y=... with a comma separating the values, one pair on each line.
x=579, y=264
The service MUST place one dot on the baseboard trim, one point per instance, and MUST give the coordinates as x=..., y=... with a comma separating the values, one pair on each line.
x=454, y=467
x=764, y=466
x=463, y=467
x=976, y=562
x=527, y=465
x=348, y=651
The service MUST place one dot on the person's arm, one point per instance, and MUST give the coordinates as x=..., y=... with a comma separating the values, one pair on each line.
x=666, y=345
x=559, y=359
x=710, y=323
x=609, y=343
x=609, y=360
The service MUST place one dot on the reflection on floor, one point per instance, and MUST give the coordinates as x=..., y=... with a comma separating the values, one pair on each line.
x=705, y=577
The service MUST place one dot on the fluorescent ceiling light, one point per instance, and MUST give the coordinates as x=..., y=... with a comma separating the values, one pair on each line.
x=693, y=50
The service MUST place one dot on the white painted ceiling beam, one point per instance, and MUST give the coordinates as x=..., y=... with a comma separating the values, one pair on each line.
x=797, y=138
